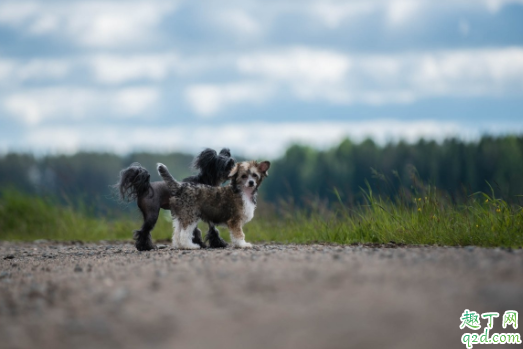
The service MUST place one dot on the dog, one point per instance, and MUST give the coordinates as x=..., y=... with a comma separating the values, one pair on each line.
x=134, y=184
x=232, y=205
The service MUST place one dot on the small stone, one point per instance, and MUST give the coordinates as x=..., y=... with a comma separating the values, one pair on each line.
x=119, y=295
x=78, y=269
x=4, y=274
x=161, y=247
x=9, y=256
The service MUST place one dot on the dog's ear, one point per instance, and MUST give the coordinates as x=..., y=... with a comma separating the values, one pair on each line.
x=225, y=152
x=202, y=160
x=263, y=167
x=234, y=170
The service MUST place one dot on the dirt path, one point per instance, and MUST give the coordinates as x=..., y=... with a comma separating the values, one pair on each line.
x=275, y=296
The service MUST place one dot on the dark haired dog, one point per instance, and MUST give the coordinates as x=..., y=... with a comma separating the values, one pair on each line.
x=232, y=205
x=134, y=184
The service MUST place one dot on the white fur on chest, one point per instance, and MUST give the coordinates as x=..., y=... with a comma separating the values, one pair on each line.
x=248, y=208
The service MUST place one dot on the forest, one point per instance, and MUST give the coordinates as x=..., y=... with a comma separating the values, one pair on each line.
x=303, y=177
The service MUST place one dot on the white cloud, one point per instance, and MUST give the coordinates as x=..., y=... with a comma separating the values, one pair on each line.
x=395, y=78
x=238, y=22
x=333, y=13
x=35, y=106
x=296, y=64
x=208, y=99
x=495, y=5
x=89, y=23
x=16, y=71
x=111, y=69
x=135, y=101
x=310, y=74
x=401, y=11
x=16, y=13
x=468, y=73
x=254, y=140
x=303, y=74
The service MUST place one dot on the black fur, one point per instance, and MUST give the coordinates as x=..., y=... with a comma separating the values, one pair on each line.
x=210, y=166
x=213, y=237
x=134, y=184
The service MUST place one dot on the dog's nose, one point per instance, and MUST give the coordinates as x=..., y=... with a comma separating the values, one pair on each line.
x=251, y=183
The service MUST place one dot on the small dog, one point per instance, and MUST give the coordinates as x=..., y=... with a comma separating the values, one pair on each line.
x=134, y=184
x=232, y=205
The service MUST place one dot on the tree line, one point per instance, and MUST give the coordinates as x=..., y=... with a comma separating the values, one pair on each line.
x=455, y=167
x=303, y=175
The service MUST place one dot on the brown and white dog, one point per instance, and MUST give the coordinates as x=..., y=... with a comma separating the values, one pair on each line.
x=232, y=205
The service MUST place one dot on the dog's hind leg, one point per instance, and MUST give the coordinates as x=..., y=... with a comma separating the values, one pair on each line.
x=186, y=236
x=144, y=241
x=150, y=211
x=213, y=236
x=197, y=238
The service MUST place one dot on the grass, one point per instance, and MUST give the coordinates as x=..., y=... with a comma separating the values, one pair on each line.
x=483, y=221
x=28, y=218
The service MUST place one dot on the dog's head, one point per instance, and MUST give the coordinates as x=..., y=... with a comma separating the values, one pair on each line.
x=249, y=174
x=214, y=168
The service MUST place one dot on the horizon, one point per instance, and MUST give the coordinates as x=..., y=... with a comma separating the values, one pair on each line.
x=239, y=154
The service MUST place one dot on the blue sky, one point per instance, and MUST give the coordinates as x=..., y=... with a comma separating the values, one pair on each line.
x=255, y=75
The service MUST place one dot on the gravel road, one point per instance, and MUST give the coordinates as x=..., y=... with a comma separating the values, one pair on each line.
x=107, y=295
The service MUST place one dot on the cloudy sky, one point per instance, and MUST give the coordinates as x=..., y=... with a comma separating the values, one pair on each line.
x=255, y=75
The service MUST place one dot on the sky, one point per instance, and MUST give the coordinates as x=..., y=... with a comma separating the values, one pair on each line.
x=255, y=76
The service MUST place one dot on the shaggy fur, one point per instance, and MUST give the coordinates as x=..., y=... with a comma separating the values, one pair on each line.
x=232, y=205
x=134, y=184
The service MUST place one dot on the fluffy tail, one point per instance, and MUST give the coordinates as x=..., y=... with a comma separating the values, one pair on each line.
x=134, y=182
x=166, y=176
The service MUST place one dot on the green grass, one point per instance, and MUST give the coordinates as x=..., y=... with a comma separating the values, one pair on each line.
x=27, y=218
x=482, y=221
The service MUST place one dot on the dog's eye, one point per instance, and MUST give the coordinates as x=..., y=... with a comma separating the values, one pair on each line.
x=244, y=176
x=255, y=175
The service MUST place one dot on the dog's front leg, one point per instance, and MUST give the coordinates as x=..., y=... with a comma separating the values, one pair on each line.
x=237, y=236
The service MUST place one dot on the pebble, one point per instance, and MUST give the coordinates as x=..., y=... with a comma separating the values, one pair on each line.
x=119, y=295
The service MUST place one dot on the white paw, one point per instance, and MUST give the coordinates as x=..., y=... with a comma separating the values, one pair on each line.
x=242, y=244
x=190, y=246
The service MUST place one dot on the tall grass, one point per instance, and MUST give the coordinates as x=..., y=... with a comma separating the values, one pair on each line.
x=482, y=221
x=24, y=217
x=429, y=219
